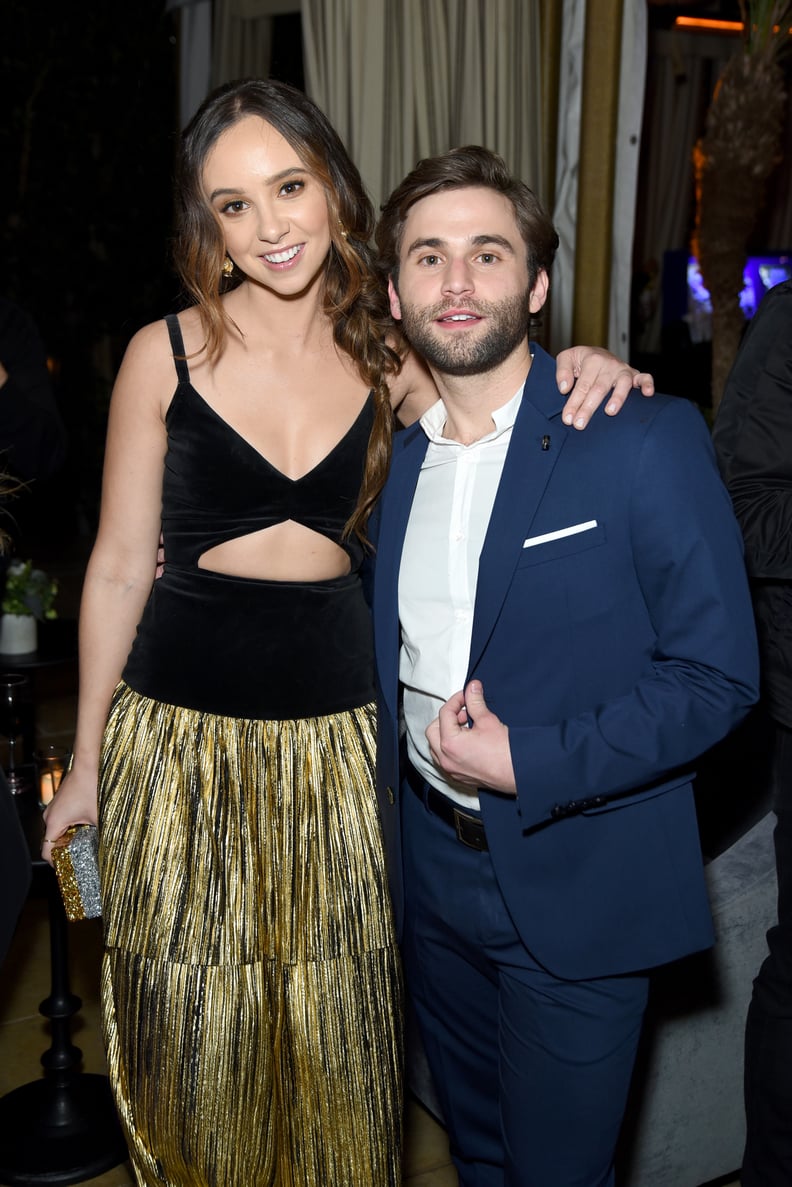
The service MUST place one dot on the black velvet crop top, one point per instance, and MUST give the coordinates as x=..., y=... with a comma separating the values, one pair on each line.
x=217, y=486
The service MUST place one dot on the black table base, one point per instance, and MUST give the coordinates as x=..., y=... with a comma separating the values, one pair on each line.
x=59, y=1133
x=62, y=1128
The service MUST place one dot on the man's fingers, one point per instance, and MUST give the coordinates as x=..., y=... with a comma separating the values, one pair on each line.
x=474, y=694
x=433, y=738
x=448, y=716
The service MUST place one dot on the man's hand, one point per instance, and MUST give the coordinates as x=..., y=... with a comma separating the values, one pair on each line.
x=470, y=744
x=589, y=373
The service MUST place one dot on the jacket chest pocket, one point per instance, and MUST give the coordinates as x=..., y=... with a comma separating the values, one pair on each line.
x=576, y=576
x=568, y=542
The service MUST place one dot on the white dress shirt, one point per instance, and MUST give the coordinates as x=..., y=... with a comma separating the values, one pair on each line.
x=439, y=571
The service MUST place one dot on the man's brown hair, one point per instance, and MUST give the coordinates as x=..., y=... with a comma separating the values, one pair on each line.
x=459, y=169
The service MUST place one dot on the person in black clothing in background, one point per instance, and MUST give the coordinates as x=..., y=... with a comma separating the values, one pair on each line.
x=32, y=435
x=753, y=441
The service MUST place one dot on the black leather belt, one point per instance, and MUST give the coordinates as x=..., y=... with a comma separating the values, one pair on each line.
x=469, y=829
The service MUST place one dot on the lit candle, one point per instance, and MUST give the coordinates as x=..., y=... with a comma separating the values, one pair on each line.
x=51, y=768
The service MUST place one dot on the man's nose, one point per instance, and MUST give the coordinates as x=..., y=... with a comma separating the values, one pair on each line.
x=458, y=277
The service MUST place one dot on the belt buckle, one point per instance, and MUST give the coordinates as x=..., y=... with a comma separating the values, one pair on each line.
x=460, y=820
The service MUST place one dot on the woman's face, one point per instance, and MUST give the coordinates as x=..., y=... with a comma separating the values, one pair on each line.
x=272, y=209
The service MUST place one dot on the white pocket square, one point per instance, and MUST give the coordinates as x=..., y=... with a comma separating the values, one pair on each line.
x=532, y=541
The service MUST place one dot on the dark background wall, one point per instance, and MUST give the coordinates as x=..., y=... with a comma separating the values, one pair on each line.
x=86, y=142
x=90, y=125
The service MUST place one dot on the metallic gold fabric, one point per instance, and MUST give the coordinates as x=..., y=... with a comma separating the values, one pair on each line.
x=251, y=985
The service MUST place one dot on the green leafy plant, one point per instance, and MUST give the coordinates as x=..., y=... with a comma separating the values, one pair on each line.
x=29, y=591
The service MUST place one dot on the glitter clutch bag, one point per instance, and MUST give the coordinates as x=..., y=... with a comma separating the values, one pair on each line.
x=76, y=861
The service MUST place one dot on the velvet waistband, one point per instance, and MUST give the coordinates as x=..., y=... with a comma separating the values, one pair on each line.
x=267, y=650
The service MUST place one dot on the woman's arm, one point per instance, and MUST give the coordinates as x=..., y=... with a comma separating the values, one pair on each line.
x=120, y=571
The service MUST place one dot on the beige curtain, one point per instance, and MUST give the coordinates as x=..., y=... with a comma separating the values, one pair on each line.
x=242, y=37
x=600, y=103
x=565, y=208
x=402, y=79
x=195, y=50
x=683, y=68
x=632, y=82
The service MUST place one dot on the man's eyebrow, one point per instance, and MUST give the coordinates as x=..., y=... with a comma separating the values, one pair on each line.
x=477, y=241
x=496, y=240
x=418, y=244
x=284, y=173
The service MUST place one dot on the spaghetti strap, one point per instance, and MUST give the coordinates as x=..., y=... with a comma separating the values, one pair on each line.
x=177, y=346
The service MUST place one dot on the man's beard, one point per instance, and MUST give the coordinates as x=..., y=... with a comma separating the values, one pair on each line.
x=468, y=354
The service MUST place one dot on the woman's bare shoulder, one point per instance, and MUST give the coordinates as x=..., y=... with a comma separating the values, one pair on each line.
x=192, y=330
x=147, y=348
x=147, y=370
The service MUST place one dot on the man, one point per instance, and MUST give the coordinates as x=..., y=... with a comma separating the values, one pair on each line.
x=568, y=620
x=753, y=441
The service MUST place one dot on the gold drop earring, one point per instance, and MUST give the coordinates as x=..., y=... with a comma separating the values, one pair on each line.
x=228, y=267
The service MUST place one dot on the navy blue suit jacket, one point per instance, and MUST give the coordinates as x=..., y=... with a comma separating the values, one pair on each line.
x=616, y=655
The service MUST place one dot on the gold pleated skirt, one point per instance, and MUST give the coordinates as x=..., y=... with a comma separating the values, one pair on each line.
x=251, y=984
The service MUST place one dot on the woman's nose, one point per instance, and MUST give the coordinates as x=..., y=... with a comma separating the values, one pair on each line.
x=272, y=226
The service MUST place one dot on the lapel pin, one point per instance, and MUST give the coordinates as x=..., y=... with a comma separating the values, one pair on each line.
x=545, y=444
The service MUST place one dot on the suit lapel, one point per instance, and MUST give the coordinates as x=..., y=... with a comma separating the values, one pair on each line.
x=394, y=512
x=536, y=443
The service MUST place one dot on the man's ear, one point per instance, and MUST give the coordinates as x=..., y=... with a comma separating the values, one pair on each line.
x=393, y=297
x=539, y=291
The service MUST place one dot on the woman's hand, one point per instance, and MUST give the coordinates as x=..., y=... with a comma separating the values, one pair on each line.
x=75, y=803
x=589, y=374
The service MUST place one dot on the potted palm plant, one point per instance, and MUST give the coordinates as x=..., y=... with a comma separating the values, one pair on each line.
x=29, y=598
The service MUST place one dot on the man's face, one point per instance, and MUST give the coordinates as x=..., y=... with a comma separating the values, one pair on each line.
x=464, y=296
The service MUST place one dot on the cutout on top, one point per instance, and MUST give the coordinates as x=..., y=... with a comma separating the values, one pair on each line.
x=286, y=551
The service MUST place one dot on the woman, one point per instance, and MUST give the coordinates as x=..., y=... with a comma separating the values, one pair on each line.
x=251, y=992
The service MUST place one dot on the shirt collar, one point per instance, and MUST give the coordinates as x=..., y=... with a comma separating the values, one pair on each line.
x=434, y=419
